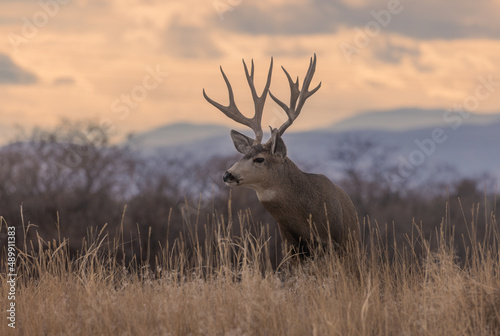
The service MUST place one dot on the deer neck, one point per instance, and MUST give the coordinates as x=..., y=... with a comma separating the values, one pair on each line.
x=281, y=186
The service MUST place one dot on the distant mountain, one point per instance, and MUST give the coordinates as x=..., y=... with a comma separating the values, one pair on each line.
x=464, y=145
x=394, y=121
x=408, y=119
x=467, y=151
x=176, y=134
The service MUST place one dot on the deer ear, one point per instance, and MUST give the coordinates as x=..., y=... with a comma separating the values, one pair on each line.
x=242, y=143
x=277, y=144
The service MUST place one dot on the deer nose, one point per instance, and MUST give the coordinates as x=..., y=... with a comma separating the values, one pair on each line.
x=228, y=177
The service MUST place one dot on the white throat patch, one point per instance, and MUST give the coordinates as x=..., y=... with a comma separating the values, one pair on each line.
x=266, y=195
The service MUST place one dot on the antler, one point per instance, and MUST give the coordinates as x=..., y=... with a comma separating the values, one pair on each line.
x=293, y=110
x=232, y=111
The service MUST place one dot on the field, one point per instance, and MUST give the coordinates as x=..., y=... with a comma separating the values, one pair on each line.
x=226, y=285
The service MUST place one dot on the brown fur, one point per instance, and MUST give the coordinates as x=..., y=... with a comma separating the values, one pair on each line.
x=310, y=210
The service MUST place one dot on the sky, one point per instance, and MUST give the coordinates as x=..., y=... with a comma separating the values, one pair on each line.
x=134, y=65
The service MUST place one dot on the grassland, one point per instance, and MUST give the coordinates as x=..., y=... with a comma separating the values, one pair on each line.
x=227, y=285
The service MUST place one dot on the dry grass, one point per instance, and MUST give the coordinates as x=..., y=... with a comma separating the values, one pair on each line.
x=226, y=286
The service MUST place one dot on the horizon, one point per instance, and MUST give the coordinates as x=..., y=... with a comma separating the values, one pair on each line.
x=344, y=125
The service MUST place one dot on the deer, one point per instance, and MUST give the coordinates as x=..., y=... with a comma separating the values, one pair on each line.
x=310, y=210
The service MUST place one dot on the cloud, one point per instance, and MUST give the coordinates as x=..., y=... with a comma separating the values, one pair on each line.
x=394, y=53
x=423, y=19
x=189, y=41
x=10, y=73
x=64, y=80
x=445, y=20
x=283, y=18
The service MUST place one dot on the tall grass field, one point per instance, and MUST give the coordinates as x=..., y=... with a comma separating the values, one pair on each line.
x=233, y=285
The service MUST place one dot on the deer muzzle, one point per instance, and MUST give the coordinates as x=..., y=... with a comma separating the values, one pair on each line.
x=229, y=178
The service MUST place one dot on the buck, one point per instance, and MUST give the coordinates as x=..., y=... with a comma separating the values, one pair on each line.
x=310, y=210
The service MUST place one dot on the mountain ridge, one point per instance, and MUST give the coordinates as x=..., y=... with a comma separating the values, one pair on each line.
x=397, y=120
x=411, y=118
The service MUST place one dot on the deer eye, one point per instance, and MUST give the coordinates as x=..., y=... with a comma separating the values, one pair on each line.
x=258, y=160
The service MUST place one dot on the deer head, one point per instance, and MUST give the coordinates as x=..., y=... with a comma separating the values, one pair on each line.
x=262, y=163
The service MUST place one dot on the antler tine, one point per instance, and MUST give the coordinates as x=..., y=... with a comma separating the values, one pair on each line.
x=296, y=95
x=232, y=111
x=258, y=101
